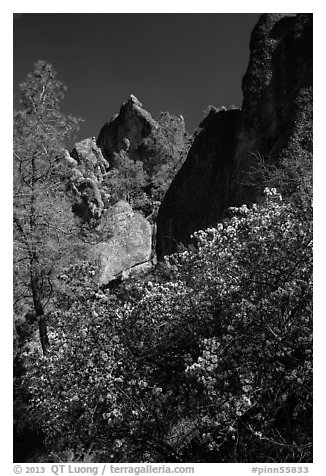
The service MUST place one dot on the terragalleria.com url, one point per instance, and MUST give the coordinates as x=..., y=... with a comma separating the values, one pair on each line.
x=59, y=469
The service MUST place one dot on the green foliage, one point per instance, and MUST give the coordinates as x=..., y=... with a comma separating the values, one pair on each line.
x=207, y=360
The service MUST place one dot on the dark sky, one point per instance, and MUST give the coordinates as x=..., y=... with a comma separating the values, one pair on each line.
x=179, y=63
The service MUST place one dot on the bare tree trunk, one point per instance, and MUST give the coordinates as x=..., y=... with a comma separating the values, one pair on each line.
x=43, y=331
x=42, y=325
x=35, y=267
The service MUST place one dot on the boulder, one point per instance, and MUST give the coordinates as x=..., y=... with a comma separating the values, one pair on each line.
x=127, y=250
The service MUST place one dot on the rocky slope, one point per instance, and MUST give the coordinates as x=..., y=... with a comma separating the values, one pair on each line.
x=275, y=121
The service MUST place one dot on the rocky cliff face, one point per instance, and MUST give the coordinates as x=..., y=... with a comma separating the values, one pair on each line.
x=145, y=139
x=276, y=116
x=200, y=191
x=275, y=121
x=126, y=130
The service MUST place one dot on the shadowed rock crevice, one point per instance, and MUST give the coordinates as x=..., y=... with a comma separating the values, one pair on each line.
x=200, y=191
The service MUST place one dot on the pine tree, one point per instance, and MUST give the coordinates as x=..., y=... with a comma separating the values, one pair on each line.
x=41, y=214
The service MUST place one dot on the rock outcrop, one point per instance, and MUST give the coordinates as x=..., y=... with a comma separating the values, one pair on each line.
x=127, y=249
x=276, y=116
x=275, y=121
x=200, y=191
x=125, y=244
x=136, y=132
x=128, y=239
x=126, y=130
x=87, y=169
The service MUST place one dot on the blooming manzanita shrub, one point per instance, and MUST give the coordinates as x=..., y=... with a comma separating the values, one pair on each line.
x=256, y=369
x=209, y=360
